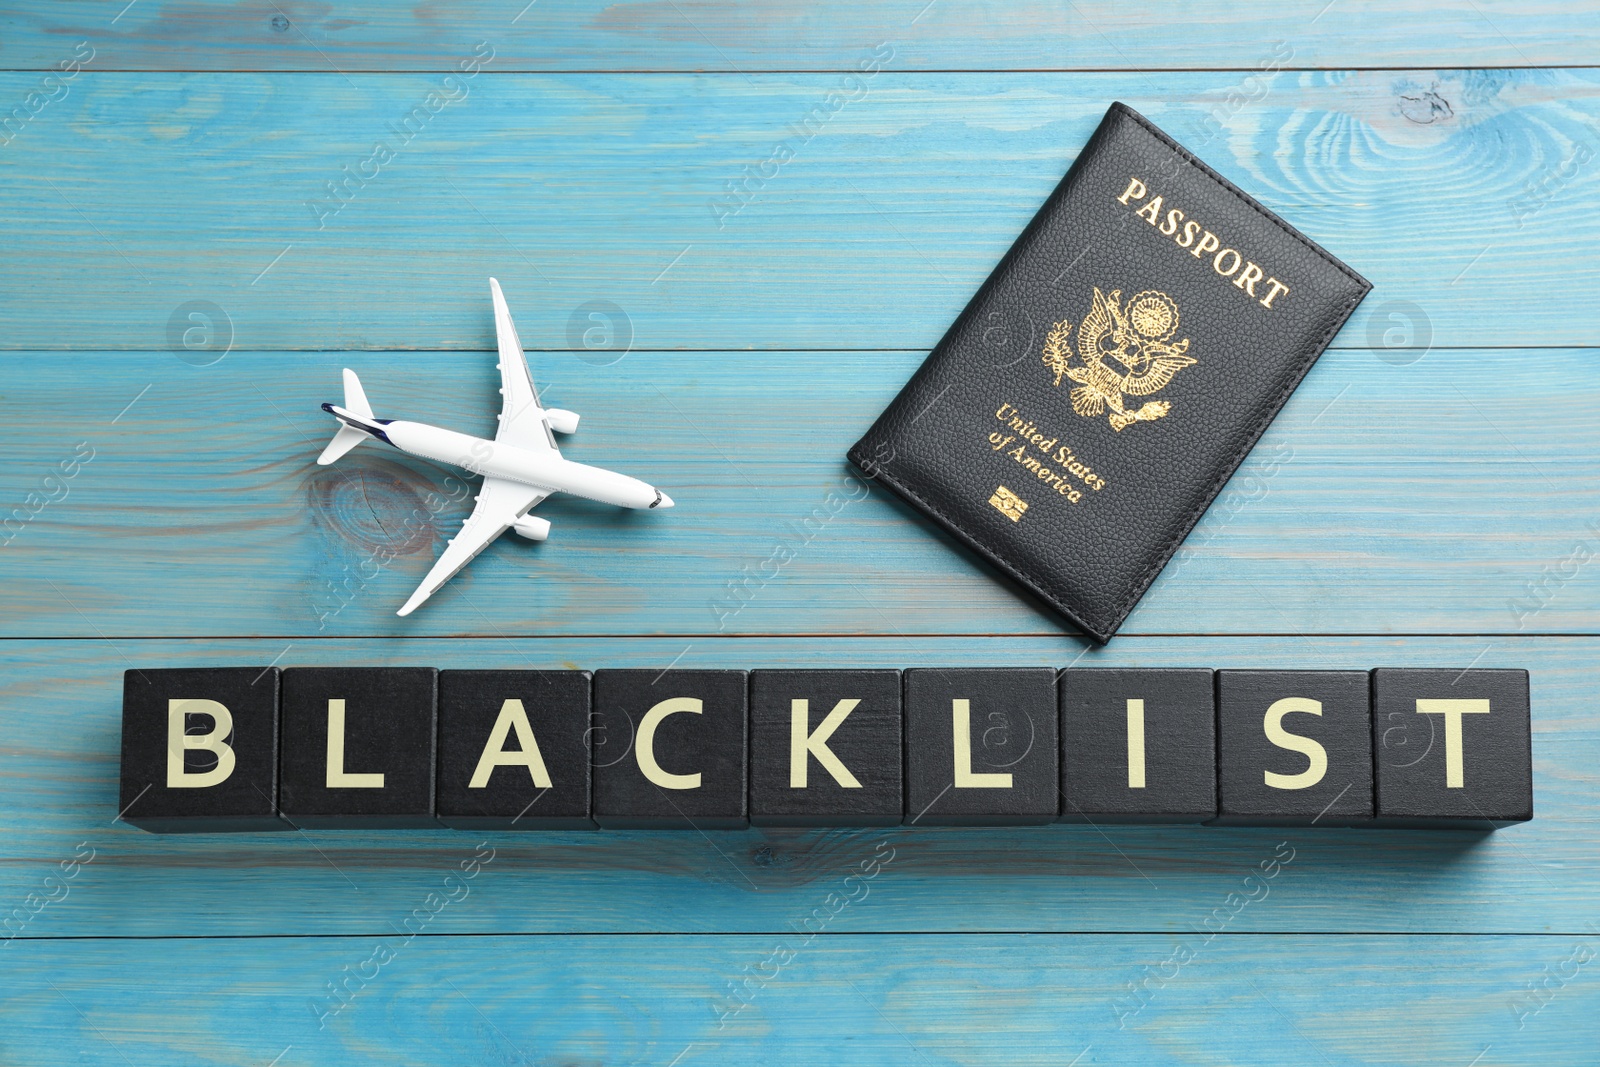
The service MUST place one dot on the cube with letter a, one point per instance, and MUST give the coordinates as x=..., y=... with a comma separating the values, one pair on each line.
x=1453, y=748
x=514, y=750
x=358, y=747
x=200, y=749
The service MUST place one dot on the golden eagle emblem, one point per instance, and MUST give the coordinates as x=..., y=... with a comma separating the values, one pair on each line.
x=1121, y=351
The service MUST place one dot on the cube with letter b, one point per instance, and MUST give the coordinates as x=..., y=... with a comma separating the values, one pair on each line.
x=514, y=750
x=1294, y=748
x=1454, y=747
x=981, y=746
x=825, y=748
x=358, y=747
x=200, y=749
x=669, y=749
x=1138, y=746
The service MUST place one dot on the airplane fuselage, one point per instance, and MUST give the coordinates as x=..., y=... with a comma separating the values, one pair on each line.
x=498, y=459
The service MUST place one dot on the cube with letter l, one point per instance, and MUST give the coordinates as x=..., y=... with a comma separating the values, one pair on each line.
x=981, y=746
x=358, y=747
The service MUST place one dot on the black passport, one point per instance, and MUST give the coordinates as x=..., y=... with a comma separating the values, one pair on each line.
x=1083, y=411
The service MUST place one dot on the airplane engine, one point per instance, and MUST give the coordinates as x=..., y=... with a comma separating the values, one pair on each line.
x=561, y=420
x=532, y=527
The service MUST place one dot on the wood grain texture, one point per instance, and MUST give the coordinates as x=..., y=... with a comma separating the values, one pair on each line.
x=1341, y=1001
x=1436, y=497
x=1459, y=194
x=58, y=790
x=1434, y=475
x=729, y=36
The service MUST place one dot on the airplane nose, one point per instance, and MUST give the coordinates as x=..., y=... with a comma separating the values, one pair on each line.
x=664, y=502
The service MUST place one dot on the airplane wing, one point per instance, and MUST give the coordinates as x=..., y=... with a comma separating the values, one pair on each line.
x=522, y=420
x=500, y=503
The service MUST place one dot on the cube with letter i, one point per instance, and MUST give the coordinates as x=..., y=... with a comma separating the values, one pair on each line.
x=200, y=749
x=1138, y=746
x=1454, y=748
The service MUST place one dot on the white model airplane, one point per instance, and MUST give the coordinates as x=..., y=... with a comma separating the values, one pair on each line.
x=520, y=467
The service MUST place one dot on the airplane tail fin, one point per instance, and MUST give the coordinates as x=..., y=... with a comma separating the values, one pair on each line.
x=355, y=401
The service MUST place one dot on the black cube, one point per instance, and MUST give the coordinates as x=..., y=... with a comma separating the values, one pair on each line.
x=669, y=749
x=825, y=748
x=1454, y=748
x=1138, y=746
x=200, y=750
x=982, y=746
x=359, y=747
x=1294, y=748
x=514, y=750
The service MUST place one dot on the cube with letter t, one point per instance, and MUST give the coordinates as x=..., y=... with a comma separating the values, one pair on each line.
x=1294, y=748
x=669, y=749
x=358, y=747
x=981, y=746
x=1454, y=747
x=200, y=749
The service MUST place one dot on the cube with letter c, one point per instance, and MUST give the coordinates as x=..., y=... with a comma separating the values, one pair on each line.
x=668, y=749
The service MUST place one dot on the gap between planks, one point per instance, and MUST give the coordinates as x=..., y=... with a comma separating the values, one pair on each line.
x=707, y=351
x=829, y=635
x=1459, y=934
x=822, y=71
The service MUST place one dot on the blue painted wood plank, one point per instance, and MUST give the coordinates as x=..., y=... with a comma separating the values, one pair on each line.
x=1455, y=494
x=1447, y=486
x=722, y=35
x=1341, y=1001
x=58, y=796
x=1458, y=193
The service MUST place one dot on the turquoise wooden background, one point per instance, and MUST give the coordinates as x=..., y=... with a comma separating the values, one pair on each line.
x=1429, y=496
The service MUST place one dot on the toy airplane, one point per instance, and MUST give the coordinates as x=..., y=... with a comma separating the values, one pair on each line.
x=520, y=467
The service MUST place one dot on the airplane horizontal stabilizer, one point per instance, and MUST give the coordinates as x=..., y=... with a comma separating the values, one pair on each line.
x=343, y=441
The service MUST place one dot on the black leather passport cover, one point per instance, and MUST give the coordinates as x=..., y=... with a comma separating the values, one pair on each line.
x=1087, y=406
